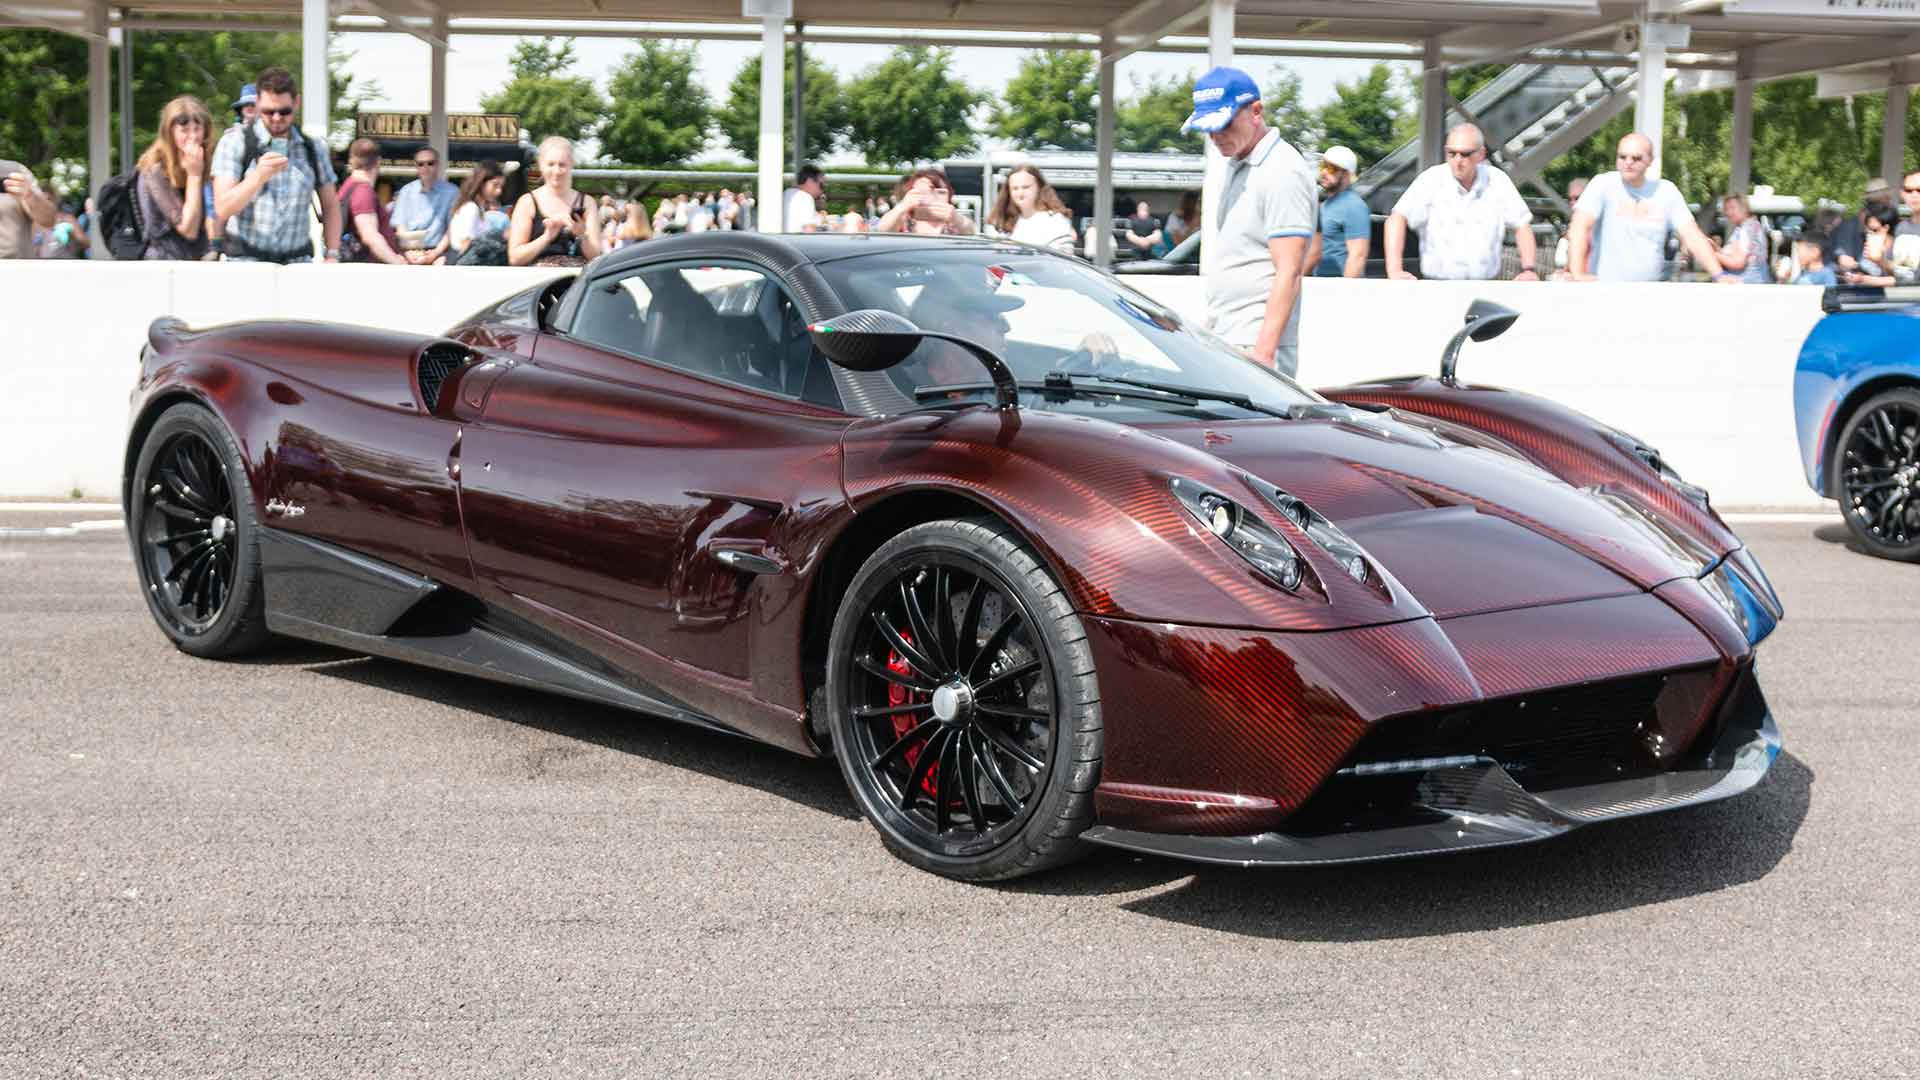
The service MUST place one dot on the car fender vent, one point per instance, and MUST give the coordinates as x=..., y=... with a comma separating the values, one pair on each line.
x=436, y=365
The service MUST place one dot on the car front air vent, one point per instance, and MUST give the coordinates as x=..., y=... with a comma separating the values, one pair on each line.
x=437, y=363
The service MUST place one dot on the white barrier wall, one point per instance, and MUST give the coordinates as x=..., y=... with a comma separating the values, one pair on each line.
x=1703, y=372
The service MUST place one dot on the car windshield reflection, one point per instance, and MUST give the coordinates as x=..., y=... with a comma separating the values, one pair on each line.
x=1047, y=315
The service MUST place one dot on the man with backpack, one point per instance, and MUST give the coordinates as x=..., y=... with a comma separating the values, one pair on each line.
x=265, y=177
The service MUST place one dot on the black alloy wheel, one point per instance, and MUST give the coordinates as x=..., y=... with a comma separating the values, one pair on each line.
x=194, y=536
x=964, y=707
x=1877, y=474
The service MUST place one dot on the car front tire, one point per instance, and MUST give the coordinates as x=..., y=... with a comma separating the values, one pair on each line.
x=963, y=703
x=196, y=540
x=1876, y=474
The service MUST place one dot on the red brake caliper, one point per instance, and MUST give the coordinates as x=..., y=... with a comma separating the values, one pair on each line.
x=898, y=695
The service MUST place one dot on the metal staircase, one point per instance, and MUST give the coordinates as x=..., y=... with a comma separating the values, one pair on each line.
x=1530, y=113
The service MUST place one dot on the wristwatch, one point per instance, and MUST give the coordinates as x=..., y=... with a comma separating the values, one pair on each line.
x=333, y=253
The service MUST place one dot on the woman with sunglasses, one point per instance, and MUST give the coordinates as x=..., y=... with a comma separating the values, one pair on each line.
x=554, y=225
x=172, y=178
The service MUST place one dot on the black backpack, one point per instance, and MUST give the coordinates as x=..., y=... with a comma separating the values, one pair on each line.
x=120, y=223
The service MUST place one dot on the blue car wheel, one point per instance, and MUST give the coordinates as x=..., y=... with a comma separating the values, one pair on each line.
x=1876, y=474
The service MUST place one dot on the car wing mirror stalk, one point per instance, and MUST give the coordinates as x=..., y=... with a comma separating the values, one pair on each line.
x=1486, y=320
x=874, y=340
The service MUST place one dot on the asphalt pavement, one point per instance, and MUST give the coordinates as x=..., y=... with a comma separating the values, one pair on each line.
x=325, y=865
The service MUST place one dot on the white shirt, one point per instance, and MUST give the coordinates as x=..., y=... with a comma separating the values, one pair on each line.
x=1461, y=230
x=801, y=211
x=1045, y=228
x=1268, y=194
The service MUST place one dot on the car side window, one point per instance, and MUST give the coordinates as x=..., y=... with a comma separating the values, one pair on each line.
x=730, y=323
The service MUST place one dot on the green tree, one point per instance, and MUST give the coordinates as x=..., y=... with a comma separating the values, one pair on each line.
x=1050, y=102
x=1297, y=123
x=1463, y=82
x=826, y=105
x=1149, y=121
x=658, y=114
x=911, y=107
x=548, y=101
x=1364, y=115
x=44, y=75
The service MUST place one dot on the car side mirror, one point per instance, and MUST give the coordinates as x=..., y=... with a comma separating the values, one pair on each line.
x=873, y=339
x=1486, y=320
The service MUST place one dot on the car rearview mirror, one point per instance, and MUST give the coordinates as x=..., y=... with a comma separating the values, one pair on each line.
x=1486, y=320
x=873, y=339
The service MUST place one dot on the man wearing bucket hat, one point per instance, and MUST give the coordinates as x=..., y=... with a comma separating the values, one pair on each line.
x=245, y=106
x=1266, y=214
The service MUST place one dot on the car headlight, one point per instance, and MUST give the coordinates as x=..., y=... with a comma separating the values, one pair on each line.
x=1245, y=533
x=1321, y=531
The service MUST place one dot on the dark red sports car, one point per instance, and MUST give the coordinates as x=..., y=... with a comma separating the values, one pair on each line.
x=1040, y=563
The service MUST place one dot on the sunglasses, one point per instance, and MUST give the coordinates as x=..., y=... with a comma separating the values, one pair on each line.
x=276, y=112
x=185, y=121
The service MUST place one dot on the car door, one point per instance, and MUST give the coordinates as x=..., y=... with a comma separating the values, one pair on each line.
x=645, y=486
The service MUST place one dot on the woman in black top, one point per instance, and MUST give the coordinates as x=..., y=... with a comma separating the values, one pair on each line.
x=554, y=225
x=173, y=178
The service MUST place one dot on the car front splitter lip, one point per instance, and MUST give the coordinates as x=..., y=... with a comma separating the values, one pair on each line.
x=1484, y=808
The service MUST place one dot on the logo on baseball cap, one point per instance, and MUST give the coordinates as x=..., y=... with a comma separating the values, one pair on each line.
x=1217, y=95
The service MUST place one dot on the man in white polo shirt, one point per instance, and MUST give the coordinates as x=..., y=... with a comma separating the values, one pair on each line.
x=1462, y=209
x=1267, y=212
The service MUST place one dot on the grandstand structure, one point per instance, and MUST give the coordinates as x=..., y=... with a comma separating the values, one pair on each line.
x=1575, y=63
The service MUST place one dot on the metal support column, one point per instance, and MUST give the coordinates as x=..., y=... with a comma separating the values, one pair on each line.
x=316, y=93
x=1433, y=105
x=1893, y=135
x=1220, y=18
x=799, y=155
x=1740, y=173
x=773, y=24
x=1103, y=155
x=437, y=92
x=1650, y=106
x=99, y=117
x=126, y=94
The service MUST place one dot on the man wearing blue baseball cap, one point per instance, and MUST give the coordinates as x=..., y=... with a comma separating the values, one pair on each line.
x=1267, y=213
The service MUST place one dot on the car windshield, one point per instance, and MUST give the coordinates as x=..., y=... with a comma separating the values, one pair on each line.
x=1049, y=315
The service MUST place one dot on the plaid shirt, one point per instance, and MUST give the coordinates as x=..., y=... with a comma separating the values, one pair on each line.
x=279, y=219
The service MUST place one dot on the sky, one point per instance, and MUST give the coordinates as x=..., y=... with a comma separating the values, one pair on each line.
x=477, y=66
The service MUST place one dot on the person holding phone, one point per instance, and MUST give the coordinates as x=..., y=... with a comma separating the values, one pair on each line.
x=22, y=207
x=554, y=225
x=923, y=204
x=266, y=177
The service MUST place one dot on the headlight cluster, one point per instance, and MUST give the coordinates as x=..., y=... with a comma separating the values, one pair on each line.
x=1245, y=533
x=1258, y=543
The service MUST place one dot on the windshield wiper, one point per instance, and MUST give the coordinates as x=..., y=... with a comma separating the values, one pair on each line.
x=1060, y=388
x=1194, y=392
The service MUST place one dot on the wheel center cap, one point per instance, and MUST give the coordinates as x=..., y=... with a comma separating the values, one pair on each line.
x=952, y=702
x=220, y=527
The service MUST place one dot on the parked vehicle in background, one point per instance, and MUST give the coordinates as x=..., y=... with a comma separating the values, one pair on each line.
x=1856, y=404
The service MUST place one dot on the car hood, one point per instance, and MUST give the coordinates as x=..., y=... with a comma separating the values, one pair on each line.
x=1461, y=526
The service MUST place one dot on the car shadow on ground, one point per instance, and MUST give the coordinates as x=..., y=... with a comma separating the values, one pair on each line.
x=1598, y=869
x=1601, y=868
x=1838, y=533
x=814, y=783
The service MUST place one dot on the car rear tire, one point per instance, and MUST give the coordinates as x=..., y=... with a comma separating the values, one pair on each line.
x=1876, y=474
x=196, y=540
x=963, y=704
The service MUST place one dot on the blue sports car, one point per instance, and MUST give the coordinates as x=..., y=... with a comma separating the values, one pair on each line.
x=1856, y=403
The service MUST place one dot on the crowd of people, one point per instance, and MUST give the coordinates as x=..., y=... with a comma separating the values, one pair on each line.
x=259, y=190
